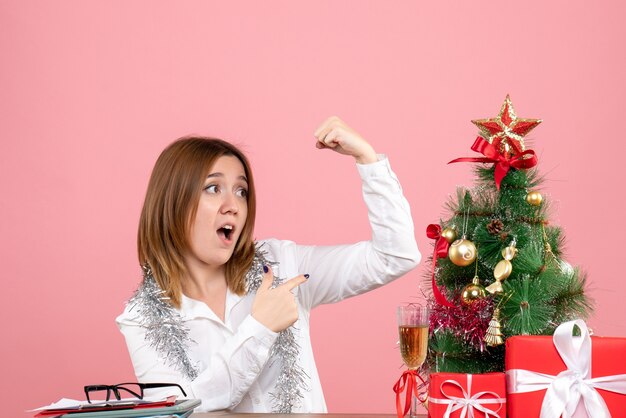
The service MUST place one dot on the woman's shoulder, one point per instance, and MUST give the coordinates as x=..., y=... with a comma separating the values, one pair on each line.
x=278, y=250
x=130, y=316
x=145, y=300
x=274, y=245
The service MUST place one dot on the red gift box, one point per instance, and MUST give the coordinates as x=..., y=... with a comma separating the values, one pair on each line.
x=453, y=395
x=570, y=373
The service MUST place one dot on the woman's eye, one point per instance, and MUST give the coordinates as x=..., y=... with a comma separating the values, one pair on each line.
x=212, y=188
x=242, y=193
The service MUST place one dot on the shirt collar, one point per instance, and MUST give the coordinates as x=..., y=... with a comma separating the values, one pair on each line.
x=193, y=309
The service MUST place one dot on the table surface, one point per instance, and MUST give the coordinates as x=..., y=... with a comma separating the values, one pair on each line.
x=239, y=415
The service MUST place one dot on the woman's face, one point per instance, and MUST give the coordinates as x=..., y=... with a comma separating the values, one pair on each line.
x=221, y=215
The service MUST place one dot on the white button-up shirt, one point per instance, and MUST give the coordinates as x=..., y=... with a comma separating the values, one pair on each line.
x=236, y=372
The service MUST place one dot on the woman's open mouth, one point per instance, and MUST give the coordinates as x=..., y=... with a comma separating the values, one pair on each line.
x=226, y=232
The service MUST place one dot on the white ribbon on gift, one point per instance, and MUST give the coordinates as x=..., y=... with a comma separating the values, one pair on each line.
x=468, y=403
x=566, y=389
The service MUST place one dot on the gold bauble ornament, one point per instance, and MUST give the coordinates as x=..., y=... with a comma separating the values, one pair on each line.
x=449, y=234
x=534, y=198
x=473, y=291
x=462, y=252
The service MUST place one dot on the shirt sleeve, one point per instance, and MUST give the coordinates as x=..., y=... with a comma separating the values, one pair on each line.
x=341, y=271
x=229, y=371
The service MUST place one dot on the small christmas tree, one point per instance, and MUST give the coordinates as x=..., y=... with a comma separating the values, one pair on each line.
x=497, y=269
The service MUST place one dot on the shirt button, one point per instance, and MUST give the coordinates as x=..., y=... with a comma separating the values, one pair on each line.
x=256, y=401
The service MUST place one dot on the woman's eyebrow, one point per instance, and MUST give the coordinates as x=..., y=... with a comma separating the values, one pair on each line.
x=218, y=174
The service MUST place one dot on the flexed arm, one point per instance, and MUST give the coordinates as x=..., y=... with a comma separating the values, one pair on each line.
x=341, y=271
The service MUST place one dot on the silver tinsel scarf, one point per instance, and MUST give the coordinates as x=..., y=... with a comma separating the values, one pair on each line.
x=168, y=335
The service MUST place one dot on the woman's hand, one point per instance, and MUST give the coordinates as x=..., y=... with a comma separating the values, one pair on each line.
x=336, y=135
x=276, y=308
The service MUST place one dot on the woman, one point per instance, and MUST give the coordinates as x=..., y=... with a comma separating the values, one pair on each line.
x=212, y=312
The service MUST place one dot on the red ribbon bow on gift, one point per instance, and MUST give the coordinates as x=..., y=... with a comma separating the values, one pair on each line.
x=408, y=380
x=526, y=159
x=433, y=231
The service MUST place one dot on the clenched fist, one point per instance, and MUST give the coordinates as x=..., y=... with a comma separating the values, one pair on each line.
x=336, y=135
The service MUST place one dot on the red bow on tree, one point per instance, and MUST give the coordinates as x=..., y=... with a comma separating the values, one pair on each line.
x=525, y=159
x=433, y=231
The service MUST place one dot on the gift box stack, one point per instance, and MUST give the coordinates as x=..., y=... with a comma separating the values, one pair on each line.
x=570, y=374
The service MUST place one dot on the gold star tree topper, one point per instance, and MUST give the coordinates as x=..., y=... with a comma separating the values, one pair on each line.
x=506, y=131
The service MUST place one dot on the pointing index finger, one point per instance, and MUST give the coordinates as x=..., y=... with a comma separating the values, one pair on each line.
x=295, y=282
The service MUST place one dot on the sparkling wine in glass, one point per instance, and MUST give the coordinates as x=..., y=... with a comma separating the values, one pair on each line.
x=413, y=331
x=413, y=344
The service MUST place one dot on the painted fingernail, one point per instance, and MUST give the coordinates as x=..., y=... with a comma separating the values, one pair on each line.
x=306, y=276
x=265, y=269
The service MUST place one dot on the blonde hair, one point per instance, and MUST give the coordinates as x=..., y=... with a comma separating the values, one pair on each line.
x=170, y=205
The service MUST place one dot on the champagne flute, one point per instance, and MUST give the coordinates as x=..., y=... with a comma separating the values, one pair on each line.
x=413, y=329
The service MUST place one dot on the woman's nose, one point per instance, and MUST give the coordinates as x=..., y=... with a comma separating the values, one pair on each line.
x=229, y=204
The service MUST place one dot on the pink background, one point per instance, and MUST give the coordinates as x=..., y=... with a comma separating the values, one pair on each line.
x=92, y=91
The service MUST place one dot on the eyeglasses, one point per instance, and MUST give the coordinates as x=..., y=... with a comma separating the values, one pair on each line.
x=134, y=389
